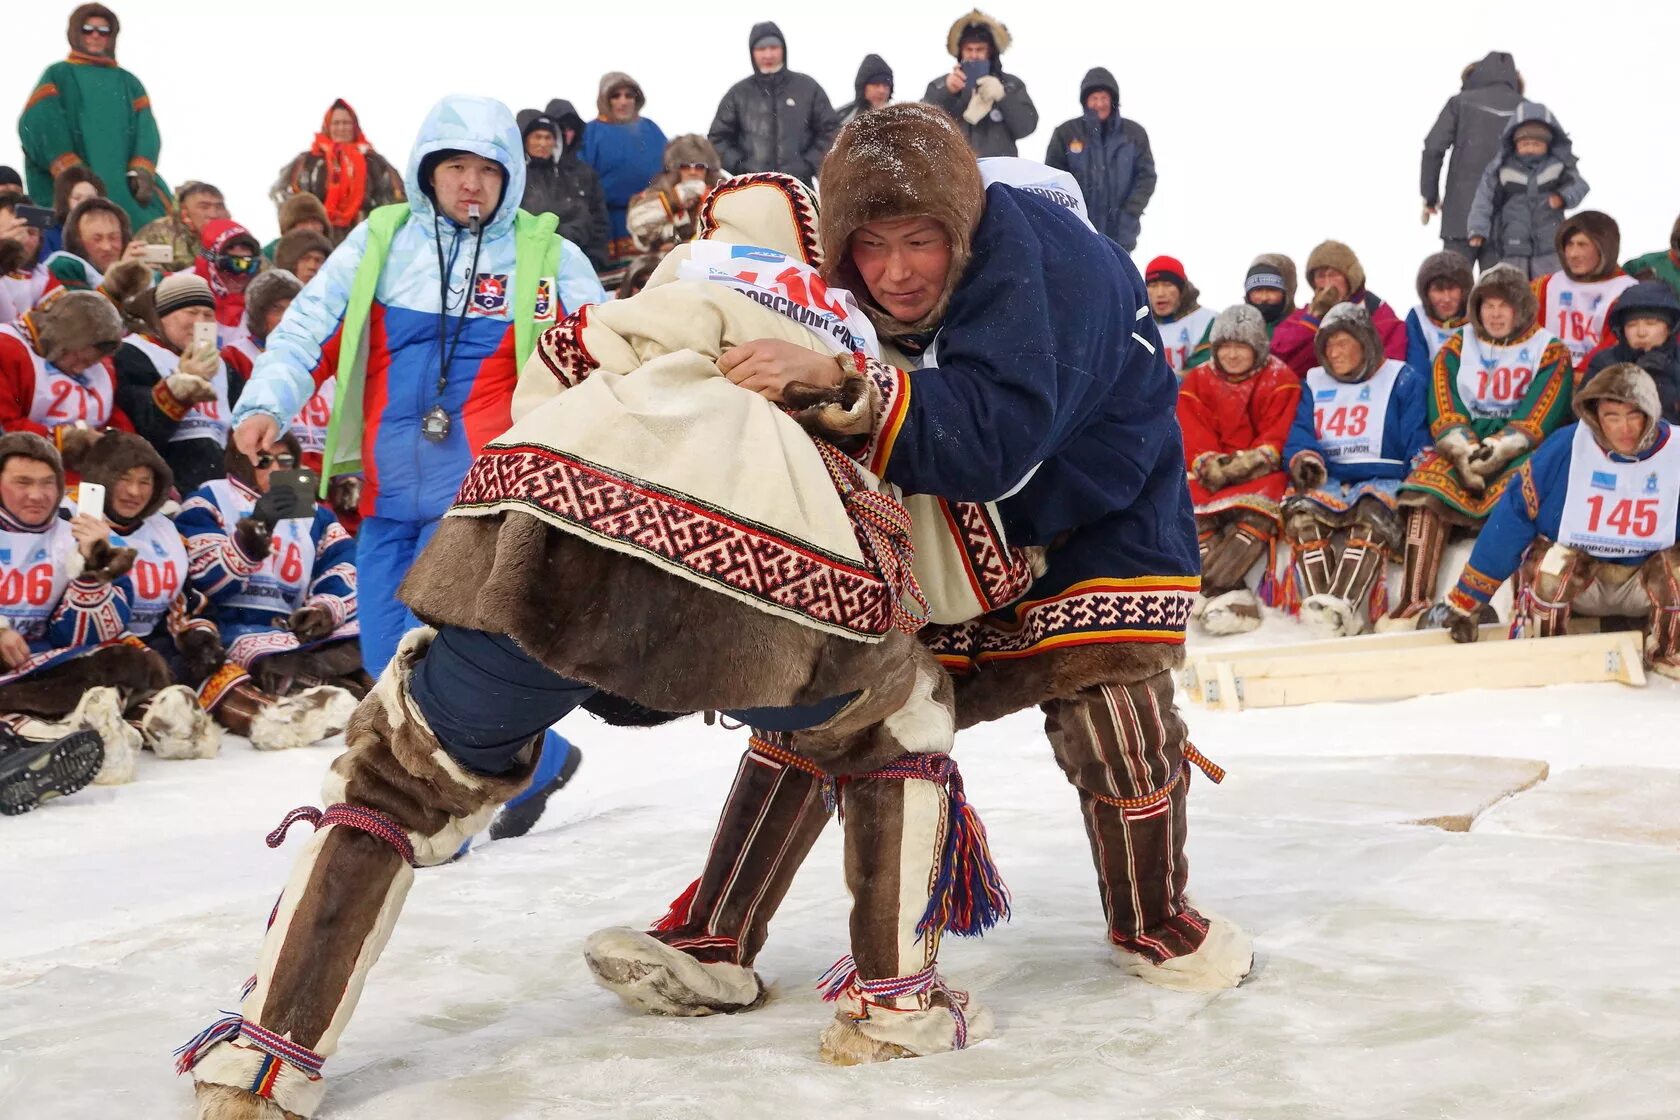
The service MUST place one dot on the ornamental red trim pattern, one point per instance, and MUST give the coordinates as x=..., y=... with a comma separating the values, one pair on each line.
x=670, y=528
x=1098, y=611
x=997, y=575
x=799, y=207
x=563, y=352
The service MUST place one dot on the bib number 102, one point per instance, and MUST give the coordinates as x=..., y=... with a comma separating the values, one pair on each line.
x=1629, y=517
x=1345, y=421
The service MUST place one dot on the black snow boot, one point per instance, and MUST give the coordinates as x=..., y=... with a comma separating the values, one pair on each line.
x=33, y=771
x=520, y=815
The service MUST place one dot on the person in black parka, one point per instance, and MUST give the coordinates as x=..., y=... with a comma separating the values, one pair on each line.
x=1644, y=320
x=775, y=120
x=558, y=182
x=872, y=89
x=1110, y=158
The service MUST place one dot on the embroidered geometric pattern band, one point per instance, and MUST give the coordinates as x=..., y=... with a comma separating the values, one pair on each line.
x=710, y=543
x=167, y=403
x=1530, y=495
x=894, y=386
x=842, y=979
x=799, y=208
x=1127, y=610
x=763, y=747
x=358, y=817
x=247, y=649
x=233, y=1028
x=214, y=690
x=563, y=352
x=1142, y=805
x=997, y=575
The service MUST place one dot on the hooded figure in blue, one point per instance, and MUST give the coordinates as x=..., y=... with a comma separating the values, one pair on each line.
x=432, y=301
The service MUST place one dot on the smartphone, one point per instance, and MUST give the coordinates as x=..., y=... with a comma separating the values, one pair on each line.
x=90, y=499
x=975, y=69
x=304, y=482
x=204, y=334
x=36, y=217
x=157, y=254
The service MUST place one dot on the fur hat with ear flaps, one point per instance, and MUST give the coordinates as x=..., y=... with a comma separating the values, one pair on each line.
x=1509, y=284
x=1448, y=266
x=901, y=161
x=268, y=289
x=31, y=446
x=116, y=453
x=1241, y=323
x=1624, y=383
x=1334, y=254
x=72, y=319
x=1353, y=319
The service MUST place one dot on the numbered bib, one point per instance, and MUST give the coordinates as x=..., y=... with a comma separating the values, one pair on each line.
x=1433, y=336
x=204, y=420
x=33, y=576
x=1180, y=337
x=281, y=584
x=1494, y=379
x=1350, y=419
x=63, y=398
x=1615, y=509
x=160, y=570
x=310, y=424
x=788, y=287
x=1575, y=310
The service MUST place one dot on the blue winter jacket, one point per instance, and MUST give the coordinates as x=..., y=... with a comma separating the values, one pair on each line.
x=625, y=156
x=1048, y=389
x=1405, y=432
x=407, y=477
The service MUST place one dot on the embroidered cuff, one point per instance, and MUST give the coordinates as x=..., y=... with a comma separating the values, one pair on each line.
x=893, y=384
x=166, y=401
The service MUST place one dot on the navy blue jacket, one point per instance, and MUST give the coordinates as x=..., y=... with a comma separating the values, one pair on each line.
x=1111, y=160
x=1047, y=365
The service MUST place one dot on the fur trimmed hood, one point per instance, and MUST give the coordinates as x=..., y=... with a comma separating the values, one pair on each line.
x=1334, y=254
x=1603, y=231
x=73, y=31
x=1446, y=265
x=115, y=454
x=294, y=245
x=692, y=148
x=610, y=81
x=1509, y=284
x=1284, y=266
x=268, y=289
x=302, y=207
x=900, y=161
x=1654, y=297
x=993, y=27
x=1627, y=384
x=1351, y=318
x=71, y=319
x=1244, y=324
x=31, y=446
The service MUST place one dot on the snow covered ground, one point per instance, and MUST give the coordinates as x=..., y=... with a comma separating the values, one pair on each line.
x=1520, y=969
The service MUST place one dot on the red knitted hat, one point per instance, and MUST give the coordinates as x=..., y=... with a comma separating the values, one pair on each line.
x=1165, y=268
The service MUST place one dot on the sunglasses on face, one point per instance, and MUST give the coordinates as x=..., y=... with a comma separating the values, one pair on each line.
x=284, y=462
x=691, y=167
x=95, y=29
x=240, y=265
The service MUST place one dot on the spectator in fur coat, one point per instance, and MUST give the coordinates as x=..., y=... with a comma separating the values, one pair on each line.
x=1236, y=412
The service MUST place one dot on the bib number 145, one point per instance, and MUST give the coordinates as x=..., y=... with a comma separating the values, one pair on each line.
x=1629, y=517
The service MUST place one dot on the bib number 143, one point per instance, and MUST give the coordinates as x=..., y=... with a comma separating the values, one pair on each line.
x=1346, y=420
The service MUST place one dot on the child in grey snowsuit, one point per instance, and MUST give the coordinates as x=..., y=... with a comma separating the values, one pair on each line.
x=1521, y=199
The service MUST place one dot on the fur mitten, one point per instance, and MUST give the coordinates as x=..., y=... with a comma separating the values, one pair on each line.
x=1459, y=446
x=106, y=562
x=189, y=389
x=1214, y=471
x=1308, y=472
x=201, y=648
x=843, y=415
x=310, y=623
x=1247, y=465
x=252, y=539
x=1495, y=454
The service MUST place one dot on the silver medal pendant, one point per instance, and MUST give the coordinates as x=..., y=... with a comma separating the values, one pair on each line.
x=434, y=426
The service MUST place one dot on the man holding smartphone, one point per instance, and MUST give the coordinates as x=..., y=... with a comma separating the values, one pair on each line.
x=993, y=109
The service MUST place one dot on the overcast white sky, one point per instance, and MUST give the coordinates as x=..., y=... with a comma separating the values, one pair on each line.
x=1275, y=124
